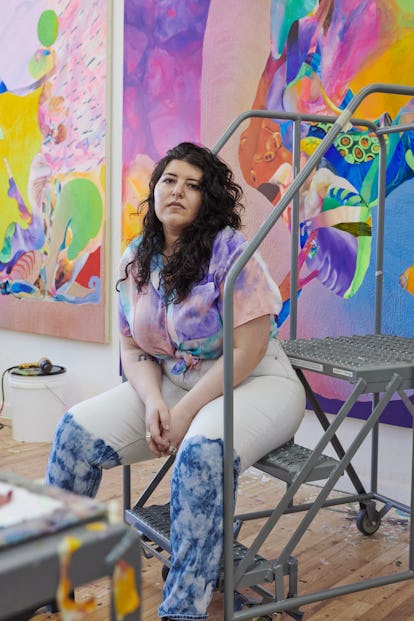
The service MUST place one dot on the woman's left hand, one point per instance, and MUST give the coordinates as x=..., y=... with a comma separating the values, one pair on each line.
x=180, y=421
x=250, y=344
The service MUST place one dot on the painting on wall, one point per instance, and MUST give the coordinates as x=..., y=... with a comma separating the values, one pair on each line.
x=53, y=168
x=163, y=47
x=189, y=72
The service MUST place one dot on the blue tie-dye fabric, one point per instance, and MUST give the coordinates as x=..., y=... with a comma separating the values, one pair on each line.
x=196, y=528
x=77, y=458
x=76, y=462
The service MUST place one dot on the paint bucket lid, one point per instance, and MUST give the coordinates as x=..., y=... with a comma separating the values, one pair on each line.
x=56, y=369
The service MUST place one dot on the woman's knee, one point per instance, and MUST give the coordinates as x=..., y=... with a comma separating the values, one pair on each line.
x=73, y=443
x=77, y=458
x=198, y=468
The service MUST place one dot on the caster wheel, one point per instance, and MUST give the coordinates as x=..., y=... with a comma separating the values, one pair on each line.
x=164, y=572
x=365, y=525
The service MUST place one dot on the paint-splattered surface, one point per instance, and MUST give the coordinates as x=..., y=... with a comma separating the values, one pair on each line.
x=34, y=511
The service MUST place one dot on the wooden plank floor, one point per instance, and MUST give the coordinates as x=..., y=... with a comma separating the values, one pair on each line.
x=332, y=552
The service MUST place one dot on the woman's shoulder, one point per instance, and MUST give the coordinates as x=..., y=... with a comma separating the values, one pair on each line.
x=129, y=253
x=131, y=248
x=134, y=242
x=228, y=244
x=229, y=238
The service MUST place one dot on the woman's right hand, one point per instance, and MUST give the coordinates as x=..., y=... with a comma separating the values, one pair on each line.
x=144, y=374
x=157, y=422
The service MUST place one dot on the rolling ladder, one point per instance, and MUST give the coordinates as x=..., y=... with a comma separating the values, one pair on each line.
x=378, y=364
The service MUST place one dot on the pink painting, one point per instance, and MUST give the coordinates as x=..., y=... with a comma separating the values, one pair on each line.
x=53, y=167
x=190, y=68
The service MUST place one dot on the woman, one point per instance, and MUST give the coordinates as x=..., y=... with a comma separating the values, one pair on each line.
x=170, y=310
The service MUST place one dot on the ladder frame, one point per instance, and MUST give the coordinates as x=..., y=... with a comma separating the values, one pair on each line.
x=230, y=576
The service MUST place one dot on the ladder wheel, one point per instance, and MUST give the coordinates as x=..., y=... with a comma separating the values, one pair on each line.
x=365, y=525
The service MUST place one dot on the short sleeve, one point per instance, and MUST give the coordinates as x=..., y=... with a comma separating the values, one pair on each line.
x=123, y=324
x=127, y=290
x=255, y=292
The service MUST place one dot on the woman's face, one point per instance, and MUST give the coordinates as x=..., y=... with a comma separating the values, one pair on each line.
x=177, y=198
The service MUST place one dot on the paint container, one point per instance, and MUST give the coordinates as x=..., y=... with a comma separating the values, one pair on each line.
x=37, y=403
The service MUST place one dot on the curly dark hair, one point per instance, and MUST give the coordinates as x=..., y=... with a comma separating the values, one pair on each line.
x=220, y=207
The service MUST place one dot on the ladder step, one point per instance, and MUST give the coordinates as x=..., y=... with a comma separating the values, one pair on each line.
x=153, y=523
x=283, y=463
x=287, y=461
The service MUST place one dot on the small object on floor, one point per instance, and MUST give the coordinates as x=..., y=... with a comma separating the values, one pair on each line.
x=6, y=498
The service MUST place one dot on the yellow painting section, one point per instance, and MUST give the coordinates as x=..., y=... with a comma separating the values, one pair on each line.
x=20, y=140
x=392, y=67
x=135, y=191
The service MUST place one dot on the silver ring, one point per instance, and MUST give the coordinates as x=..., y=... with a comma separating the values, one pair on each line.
x=148, y=436
x=172, y=450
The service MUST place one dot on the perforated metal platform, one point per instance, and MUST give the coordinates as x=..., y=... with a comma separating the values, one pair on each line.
x=373, y=357
x=153, y=522
x=287, y=461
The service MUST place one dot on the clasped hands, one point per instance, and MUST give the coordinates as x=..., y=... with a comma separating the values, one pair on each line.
x=171, y=450
x=165, y=429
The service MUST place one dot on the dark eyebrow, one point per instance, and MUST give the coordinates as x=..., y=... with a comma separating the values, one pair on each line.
x=176, y=176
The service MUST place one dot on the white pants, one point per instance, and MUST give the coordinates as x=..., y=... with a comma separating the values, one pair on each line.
x=268, y=408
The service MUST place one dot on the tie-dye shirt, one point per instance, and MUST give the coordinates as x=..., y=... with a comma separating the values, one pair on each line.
x=193, y=329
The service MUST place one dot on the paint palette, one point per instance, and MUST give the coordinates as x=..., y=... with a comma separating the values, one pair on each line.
x=29, y=510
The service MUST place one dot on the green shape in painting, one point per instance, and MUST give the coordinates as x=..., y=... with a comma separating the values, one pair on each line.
x=81, y=210
x=40, y=63
x=409, y=158
x=48, y=28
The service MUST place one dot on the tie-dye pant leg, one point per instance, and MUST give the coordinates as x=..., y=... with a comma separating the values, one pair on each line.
x=77, y=458
x=268, y=408
x=196, y=528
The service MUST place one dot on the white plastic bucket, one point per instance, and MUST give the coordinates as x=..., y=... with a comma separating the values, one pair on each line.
x=37, y=404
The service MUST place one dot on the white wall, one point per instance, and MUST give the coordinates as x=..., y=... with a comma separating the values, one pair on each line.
x=92, y=368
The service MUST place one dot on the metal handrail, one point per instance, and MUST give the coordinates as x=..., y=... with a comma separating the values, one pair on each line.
x=338, y=125
x=297, y=120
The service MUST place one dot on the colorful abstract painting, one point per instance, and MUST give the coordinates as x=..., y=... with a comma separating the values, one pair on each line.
x=191, y=68
x=53, y=167
x=163, y=46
